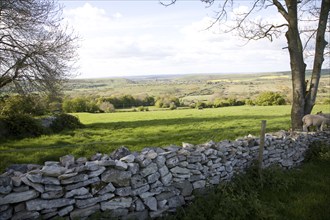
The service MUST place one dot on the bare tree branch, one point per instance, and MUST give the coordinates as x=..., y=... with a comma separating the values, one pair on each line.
x=35, y=51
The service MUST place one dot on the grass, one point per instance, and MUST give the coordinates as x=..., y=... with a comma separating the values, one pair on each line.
x=298, y=194
x=136, y=130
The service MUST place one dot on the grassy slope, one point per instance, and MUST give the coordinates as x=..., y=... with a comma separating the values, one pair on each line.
x=136, y=130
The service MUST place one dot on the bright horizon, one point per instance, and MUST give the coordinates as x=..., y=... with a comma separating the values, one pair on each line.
x=139, y=38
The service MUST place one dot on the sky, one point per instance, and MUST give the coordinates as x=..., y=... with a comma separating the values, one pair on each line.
x=134, y=37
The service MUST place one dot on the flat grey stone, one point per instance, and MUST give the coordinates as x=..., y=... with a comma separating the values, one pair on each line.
x=52, y=194
x=6, y=214
x=152, y=168
x=36, y=186
x=83, y=213
x=75, y=179
x=81, y=184
x=124, y=191
x=53, y=170
x=151, y=203
x=18, y=197
x=128, y=159
x=138, y=181
x=108, y=188
x=6, y=184
x=117, y=177
x=66, y=210
x=25, y=215
x=76, y=192
x=39, y=204
x=96, y=172
x=117, y=203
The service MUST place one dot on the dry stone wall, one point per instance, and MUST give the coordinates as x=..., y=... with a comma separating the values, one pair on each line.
x=138, y=185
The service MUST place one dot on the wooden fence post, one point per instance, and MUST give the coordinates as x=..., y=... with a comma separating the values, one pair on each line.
x=262, y=144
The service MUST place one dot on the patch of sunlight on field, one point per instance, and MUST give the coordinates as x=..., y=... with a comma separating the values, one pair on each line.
x=105, y=132
x=275, y=77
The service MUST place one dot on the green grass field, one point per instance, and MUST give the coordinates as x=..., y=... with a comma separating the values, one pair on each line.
x=136, y=130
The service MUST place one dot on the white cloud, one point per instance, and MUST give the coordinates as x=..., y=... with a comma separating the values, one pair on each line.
x=115, y=44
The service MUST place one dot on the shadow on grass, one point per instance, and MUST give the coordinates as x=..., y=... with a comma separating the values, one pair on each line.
x=183, y=121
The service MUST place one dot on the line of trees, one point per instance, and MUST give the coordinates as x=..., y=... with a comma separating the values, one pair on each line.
x=37, y=105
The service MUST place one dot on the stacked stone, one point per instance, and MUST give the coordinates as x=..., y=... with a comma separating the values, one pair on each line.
x=138, y=185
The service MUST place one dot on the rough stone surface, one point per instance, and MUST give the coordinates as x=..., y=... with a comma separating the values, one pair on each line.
x=18, y=197
x=117, y=177
x=139, y=185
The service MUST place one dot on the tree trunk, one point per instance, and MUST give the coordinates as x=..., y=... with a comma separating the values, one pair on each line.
x=319, y=57
x=297, y=65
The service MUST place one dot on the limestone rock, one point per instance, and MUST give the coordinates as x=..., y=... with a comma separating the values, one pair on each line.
x=53, y=170
x=116, y=203
x=6, y=184
x=25, y=215
x=66, y=210
x=108, y=188
x=120, y=153
x=117, y=177
x=81, y=184
x=83, y=213
x=152, y=168
x=151, y=203
x=39, y=204
x=128, y=159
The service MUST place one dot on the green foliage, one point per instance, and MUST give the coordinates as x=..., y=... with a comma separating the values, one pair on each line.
x=20, y=126
x=318, y=150
x=65, y=122
x=237, y=199
x=107, y=107
x=80, y=105
x=270, y=98
x=173, y=106
x=167, y=102
x=141, y=108
x=249, y=102
x=326, y=101
x=297, y=194
x=137, y=130
x=19, y=104
x=227, y=102
x=129, y=101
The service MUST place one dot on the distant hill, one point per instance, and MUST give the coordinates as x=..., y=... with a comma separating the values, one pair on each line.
x=193, y=86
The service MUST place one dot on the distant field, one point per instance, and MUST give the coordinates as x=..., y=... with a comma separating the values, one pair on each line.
x=196, y=87
x=136, y=130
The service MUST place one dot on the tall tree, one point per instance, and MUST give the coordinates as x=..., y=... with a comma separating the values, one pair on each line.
x=305, y=22
x=36, y=52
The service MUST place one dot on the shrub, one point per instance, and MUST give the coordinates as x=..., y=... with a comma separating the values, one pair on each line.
x=318, y=150
x=18, y=104
x=249, y=102
x=270, y=98
x=107, y=107
x=192, y=105
x=173, y=106
x=165, y=101
x=200, y=105
x=141, y=108
x=21, y=125
x=64, y=122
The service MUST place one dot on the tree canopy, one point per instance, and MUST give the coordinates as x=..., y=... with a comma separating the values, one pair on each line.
x=305, y=24
x=36, y=51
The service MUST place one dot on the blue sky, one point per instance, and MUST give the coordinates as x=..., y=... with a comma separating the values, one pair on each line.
x=125, y=38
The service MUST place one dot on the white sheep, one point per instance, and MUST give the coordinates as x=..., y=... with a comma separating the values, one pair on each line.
x=324, y=114
x=315, y=120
